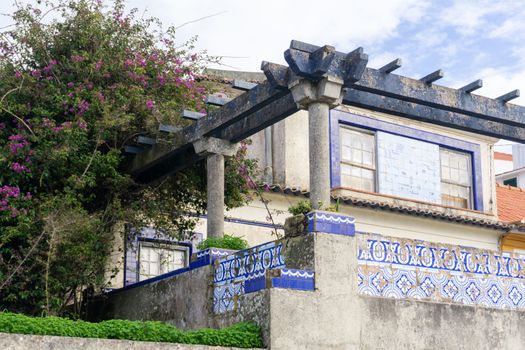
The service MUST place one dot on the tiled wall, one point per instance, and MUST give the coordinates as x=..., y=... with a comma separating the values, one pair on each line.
x=251, y=270
x=418, y=270
x=408, y=168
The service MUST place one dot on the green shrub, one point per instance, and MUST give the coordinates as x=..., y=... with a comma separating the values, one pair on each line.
x=241, y=335
x=302, y=207
x=226, y=242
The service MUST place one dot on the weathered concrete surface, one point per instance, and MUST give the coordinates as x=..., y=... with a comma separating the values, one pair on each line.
x=336, y=317
x=319, y=154
x=32, y=342
x=183, y=300
x=215, y=195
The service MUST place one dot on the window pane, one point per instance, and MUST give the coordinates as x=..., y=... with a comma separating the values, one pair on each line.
x=456, y=178
x=358, y=159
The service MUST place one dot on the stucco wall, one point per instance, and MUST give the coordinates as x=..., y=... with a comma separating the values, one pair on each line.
x=32, y=342
x=182, y=300
x=369, y=220
x=337, y=317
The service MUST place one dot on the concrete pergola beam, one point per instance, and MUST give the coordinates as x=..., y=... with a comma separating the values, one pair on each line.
x=215, y=150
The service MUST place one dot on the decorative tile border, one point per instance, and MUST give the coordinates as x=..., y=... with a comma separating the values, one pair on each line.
x=208, y=256
x=254, y=269
x=409, y=269
x=329, y=222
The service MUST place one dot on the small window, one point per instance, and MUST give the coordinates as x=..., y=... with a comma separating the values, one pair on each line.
x=511, y=182
x=158, y=258
x=456, y=179
x=358, y=169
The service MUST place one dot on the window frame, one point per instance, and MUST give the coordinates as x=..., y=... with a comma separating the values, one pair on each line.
x=159, y=244
x=359, y=165
x=470, y=172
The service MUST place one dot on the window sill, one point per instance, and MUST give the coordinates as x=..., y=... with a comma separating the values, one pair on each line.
x=411, y=203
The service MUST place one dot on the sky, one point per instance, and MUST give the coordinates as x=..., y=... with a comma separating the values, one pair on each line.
x=469, y=40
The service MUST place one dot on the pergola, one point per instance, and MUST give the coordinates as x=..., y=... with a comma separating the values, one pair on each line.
x=318, y=79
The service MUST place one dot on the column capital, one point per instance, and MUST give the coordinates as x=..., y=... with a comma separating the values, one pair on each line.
x=329, y=89
x=212, y=145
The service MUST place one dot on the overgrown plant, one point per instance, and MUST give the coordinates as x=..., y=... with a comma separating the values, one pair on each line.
x=225, y=242
x=74, y=90
x=241, y=335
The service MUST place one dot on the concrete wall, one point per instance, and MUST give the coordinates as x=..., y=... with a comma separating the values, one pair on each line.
x=337, y=317
x=31, y=342
x=182, y=300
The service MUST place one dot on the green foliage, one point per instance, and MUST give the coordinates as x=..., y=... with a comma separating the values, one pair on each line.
x=225, y=242
x=303, y=207
x=80, y=79
x=241, y=335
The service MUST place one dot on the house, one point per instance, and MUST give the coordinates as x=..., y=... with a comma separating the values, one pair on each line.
x=405, y=240
x=397, y=177
x=515, y=175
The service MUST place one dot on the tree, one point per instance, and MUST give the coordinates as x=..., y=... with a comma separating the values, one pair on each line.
x=74, y=90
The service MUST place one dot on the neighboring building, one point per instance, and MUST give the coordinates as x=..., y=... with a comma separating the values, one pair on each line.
x=503, y=162
x=511, y=203
x=515, y=176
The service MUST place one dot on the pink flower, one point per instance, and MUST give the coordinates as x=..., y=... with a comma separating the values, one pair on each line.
x=98, y=65
x=70, y=84
x=150, y=104
x=19, y=168
x=18, y=75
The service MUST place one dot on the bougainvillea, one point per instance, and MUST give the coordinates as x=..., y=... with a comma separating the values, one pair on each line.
x=79, y=80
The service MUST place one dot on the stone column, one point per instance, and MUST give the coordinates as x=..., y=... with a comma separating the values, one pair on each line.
x=318, y=97
x=214, y=150
x=215, y=194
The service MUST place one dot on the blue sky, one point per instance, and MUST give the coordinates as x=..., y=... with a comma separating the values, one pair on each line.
x=469, y=40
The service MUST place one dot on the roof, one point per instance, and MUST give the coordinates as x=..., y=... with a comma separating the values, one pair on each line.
x=354, y=201
x=511, y=172
x=502, y=156
x=511, y=203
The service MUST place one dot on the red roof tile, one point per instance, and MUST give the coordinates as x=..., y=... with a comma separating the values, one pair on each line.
x=511, y=203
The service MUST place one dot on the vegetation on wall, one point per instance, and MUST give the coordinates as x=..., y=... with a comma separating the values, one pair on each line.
x=79, y=80
x=225, y=242
x=241, y=335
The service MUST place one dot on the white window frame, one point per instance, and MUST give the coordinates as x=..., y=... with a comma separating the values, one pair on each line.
x=359, y=165
x=141, y=276
x=470, y=186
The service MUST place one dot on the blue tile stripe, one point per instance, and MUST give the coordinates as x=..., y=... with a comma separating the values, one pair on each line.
x=328, y=222
x=408, y=269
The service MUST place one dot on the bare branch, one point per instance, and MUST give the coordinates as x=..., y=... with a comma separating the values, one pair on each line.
x=200, y=19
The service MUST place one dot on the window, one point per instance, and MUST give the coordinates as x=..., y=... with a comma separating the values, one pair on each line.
x=456, y=178
x=511, y=182
x=358, y=169
x=159, y=258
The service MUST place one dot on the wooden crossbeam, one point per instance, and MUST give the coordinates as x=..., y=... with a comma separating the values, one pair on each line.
x=478, y=84
x=133, y=149
x=392, y=66
x=448, y=99
x=162, y=160
x=168, y=128
x=432, y=77
x=433, y=115
x=143, y=140
x=192, y=115
x=216, y=100
x=242, y=85
x=509, y=96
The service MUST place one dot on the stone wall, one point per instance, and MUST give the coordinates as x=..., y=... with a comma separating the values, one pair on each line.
x=182, y=300
x=31, y=342
x=369, y=291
